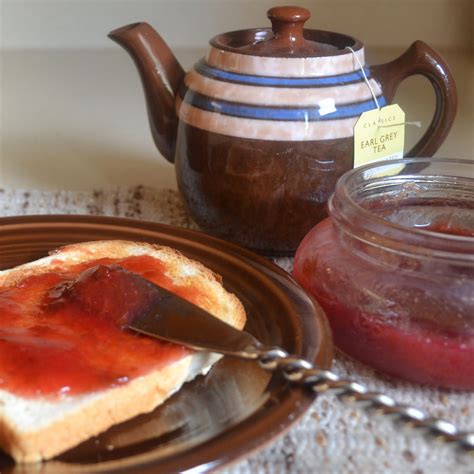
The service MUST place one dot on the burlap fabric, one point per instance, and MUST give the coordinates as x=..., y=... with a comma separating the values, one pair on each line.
x=330, y=438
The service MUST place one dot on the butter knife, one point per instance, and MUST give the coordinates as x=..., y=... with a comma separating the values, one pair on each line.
x=176, y=320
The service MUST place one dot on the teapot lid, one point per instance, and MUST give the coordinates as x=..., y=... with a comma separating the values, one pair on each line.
x=286, y=38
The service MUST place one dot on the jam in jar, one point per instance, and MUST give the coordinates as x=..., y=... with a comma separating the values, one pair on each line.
x=393, y=267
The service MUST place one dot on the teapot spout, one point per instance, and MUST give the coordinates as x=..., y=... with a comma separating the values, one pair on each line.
x=161, y=76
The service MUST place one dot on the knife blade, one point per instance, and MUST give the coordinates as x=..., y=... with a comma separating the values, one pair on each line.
x=136, y=303
x=176, y=320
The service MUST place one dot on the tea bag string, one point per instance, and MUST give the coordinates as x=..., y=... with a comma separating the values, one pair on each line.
x=371, y=89
x=362, y=70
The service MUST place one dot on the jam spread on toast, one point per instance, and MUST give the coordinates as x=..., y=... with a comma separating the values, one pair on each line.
x=63, y=331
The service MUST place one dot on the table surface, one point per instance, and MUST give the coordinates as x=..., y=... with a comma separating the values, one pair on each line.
x=334, y=437
x=76, y=119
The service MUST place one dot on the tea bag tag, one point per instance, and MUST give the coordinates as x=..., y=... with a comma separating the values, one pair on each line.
x=379, y=134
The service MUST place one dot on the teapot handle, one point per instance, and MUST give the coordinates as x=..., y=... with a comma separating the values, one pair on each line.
x=421, y=59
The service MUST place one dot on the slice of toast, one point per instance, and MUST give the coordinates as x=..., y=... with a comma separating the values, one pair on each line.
x=36, y=428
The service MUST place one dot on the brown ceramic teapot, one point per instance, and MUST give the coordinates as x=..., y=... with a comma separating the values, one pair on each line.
x=262, y=127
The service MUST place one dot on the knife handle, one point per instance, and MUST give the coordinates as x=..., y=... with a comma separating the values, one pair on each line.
x=301, y=371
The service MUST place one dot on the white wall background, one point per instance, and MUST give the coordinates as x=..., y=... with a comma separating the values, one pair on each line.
x=72, y=114
x=190, y=23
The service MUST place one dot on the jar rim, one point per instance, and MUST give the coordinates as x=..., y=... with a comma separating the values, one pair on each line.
x=368, y=226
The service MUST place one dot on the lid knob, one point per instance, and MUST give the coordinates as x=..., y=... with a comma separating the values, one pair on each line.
x=288, y=23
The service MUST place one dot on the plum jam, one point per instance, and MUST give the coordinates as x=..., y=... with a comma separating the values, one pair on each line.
x=53, y=344
x=393, y=267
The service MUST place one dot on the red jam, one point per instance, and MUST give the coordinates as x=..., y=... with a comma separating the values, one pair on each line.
x=395, y=316
x=442, y=228
x=51, y=345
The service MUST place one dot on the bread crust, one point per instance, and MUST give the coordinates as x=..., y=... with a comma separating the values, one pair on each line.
x=142, y=394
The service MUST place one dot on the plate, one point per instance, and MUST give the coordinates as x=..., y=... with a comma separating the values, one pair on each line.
x=214, y=420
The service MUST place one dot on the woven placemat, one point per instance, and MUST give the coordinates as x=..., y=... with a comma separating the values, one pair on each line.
x=330, y=437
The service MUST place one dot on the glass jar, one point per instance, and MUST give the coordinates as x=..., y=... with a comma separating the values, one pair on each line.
x=393, y=267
